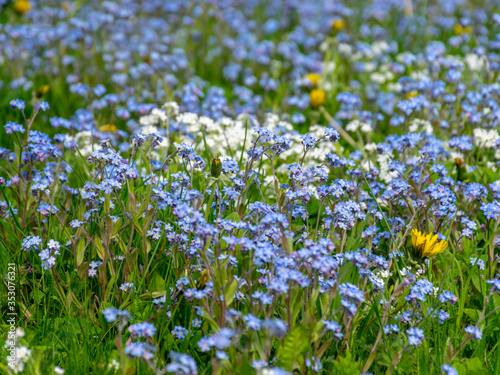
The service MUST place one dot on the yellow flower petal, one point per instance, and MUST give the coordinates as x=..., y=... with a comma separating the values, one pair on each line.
x=427, y=245
x=317, y=98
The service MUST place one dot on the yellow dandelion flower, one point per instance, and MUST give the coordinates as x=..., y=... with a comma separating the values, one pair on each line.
x=108, y=128
x=42, y=90
x=338, y=24
x=459, y=163
x=202, y=281
x=22, y=6
x=314, y=78
x=427, y=245
x=412, y=94
x=459, y=29
x=317, y=98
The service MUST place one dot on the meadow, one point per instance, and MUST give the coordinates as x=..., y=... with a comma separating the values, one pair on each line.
x=255, y=187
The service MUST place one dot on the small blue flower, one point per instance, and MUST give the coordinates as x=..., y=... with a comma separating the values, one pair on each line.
x=259, y=364
x=474, y=332
x=112, y=313
x=415, y=336
x=42, y=106
x=449, y=370
x=252, y=322
x=11, y=127
x=17, y=103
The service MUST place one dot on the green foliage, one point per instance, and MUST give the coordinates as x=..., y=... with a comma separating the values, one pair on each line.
x=295, y=345
x=346, y=365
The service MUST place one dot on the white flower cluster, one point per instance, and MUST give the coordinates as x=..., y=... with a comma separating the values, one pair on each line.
x=22, y=353
x=225, y=137
x=485, y=138
x=85, y=143
x=354, y=125
x=383, y=162
x=421, y=126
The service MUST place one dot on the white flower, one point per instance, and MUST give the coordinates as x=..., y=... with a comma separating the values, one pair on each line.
x=327, y=86
x=370, y=147
x=172, y=108
x=370, y=67
x=385, y=174
x=84, y=142
x=23, y=353
x=159, y=114
x=420, y=124
x=405, y=56
x=19, y=332
x=379, y=280
x=420, y=76
x=394, y=87
x=491, y=165
x=474, y=62
x=58, y=370
x=367, y=165
x=485, y=138
x=115, y=364
x=148, y=129
x=366, y=127
x=456, y=155
x=384, y=274
x=380, y=47
x=378, y=78
x=330, y=67
x=352, y=126
x=345, y=49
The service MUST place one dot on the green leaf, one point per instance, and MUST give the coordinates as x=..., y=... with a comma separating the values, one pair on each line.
x=473, y=314
x=116, y=228
x=37, y=296
x=496, y=301
x=107, y=204
x=137, y=225
x=245, y=368
x=109, y=287
x=80, y=252
x=153, y=295
x=99, y=247
x=423, y=360
x=12, y=214
x=230, y=292
x=210, y=320
x=295, y=344
x=233, y=217
x=157, y=283
x=476, y=367
x=346, y=365
x=131, y=202
x=224, y=179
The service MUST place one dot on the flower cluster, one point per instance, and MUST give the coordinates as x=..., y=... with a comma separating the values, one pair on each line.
x=265, y=187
